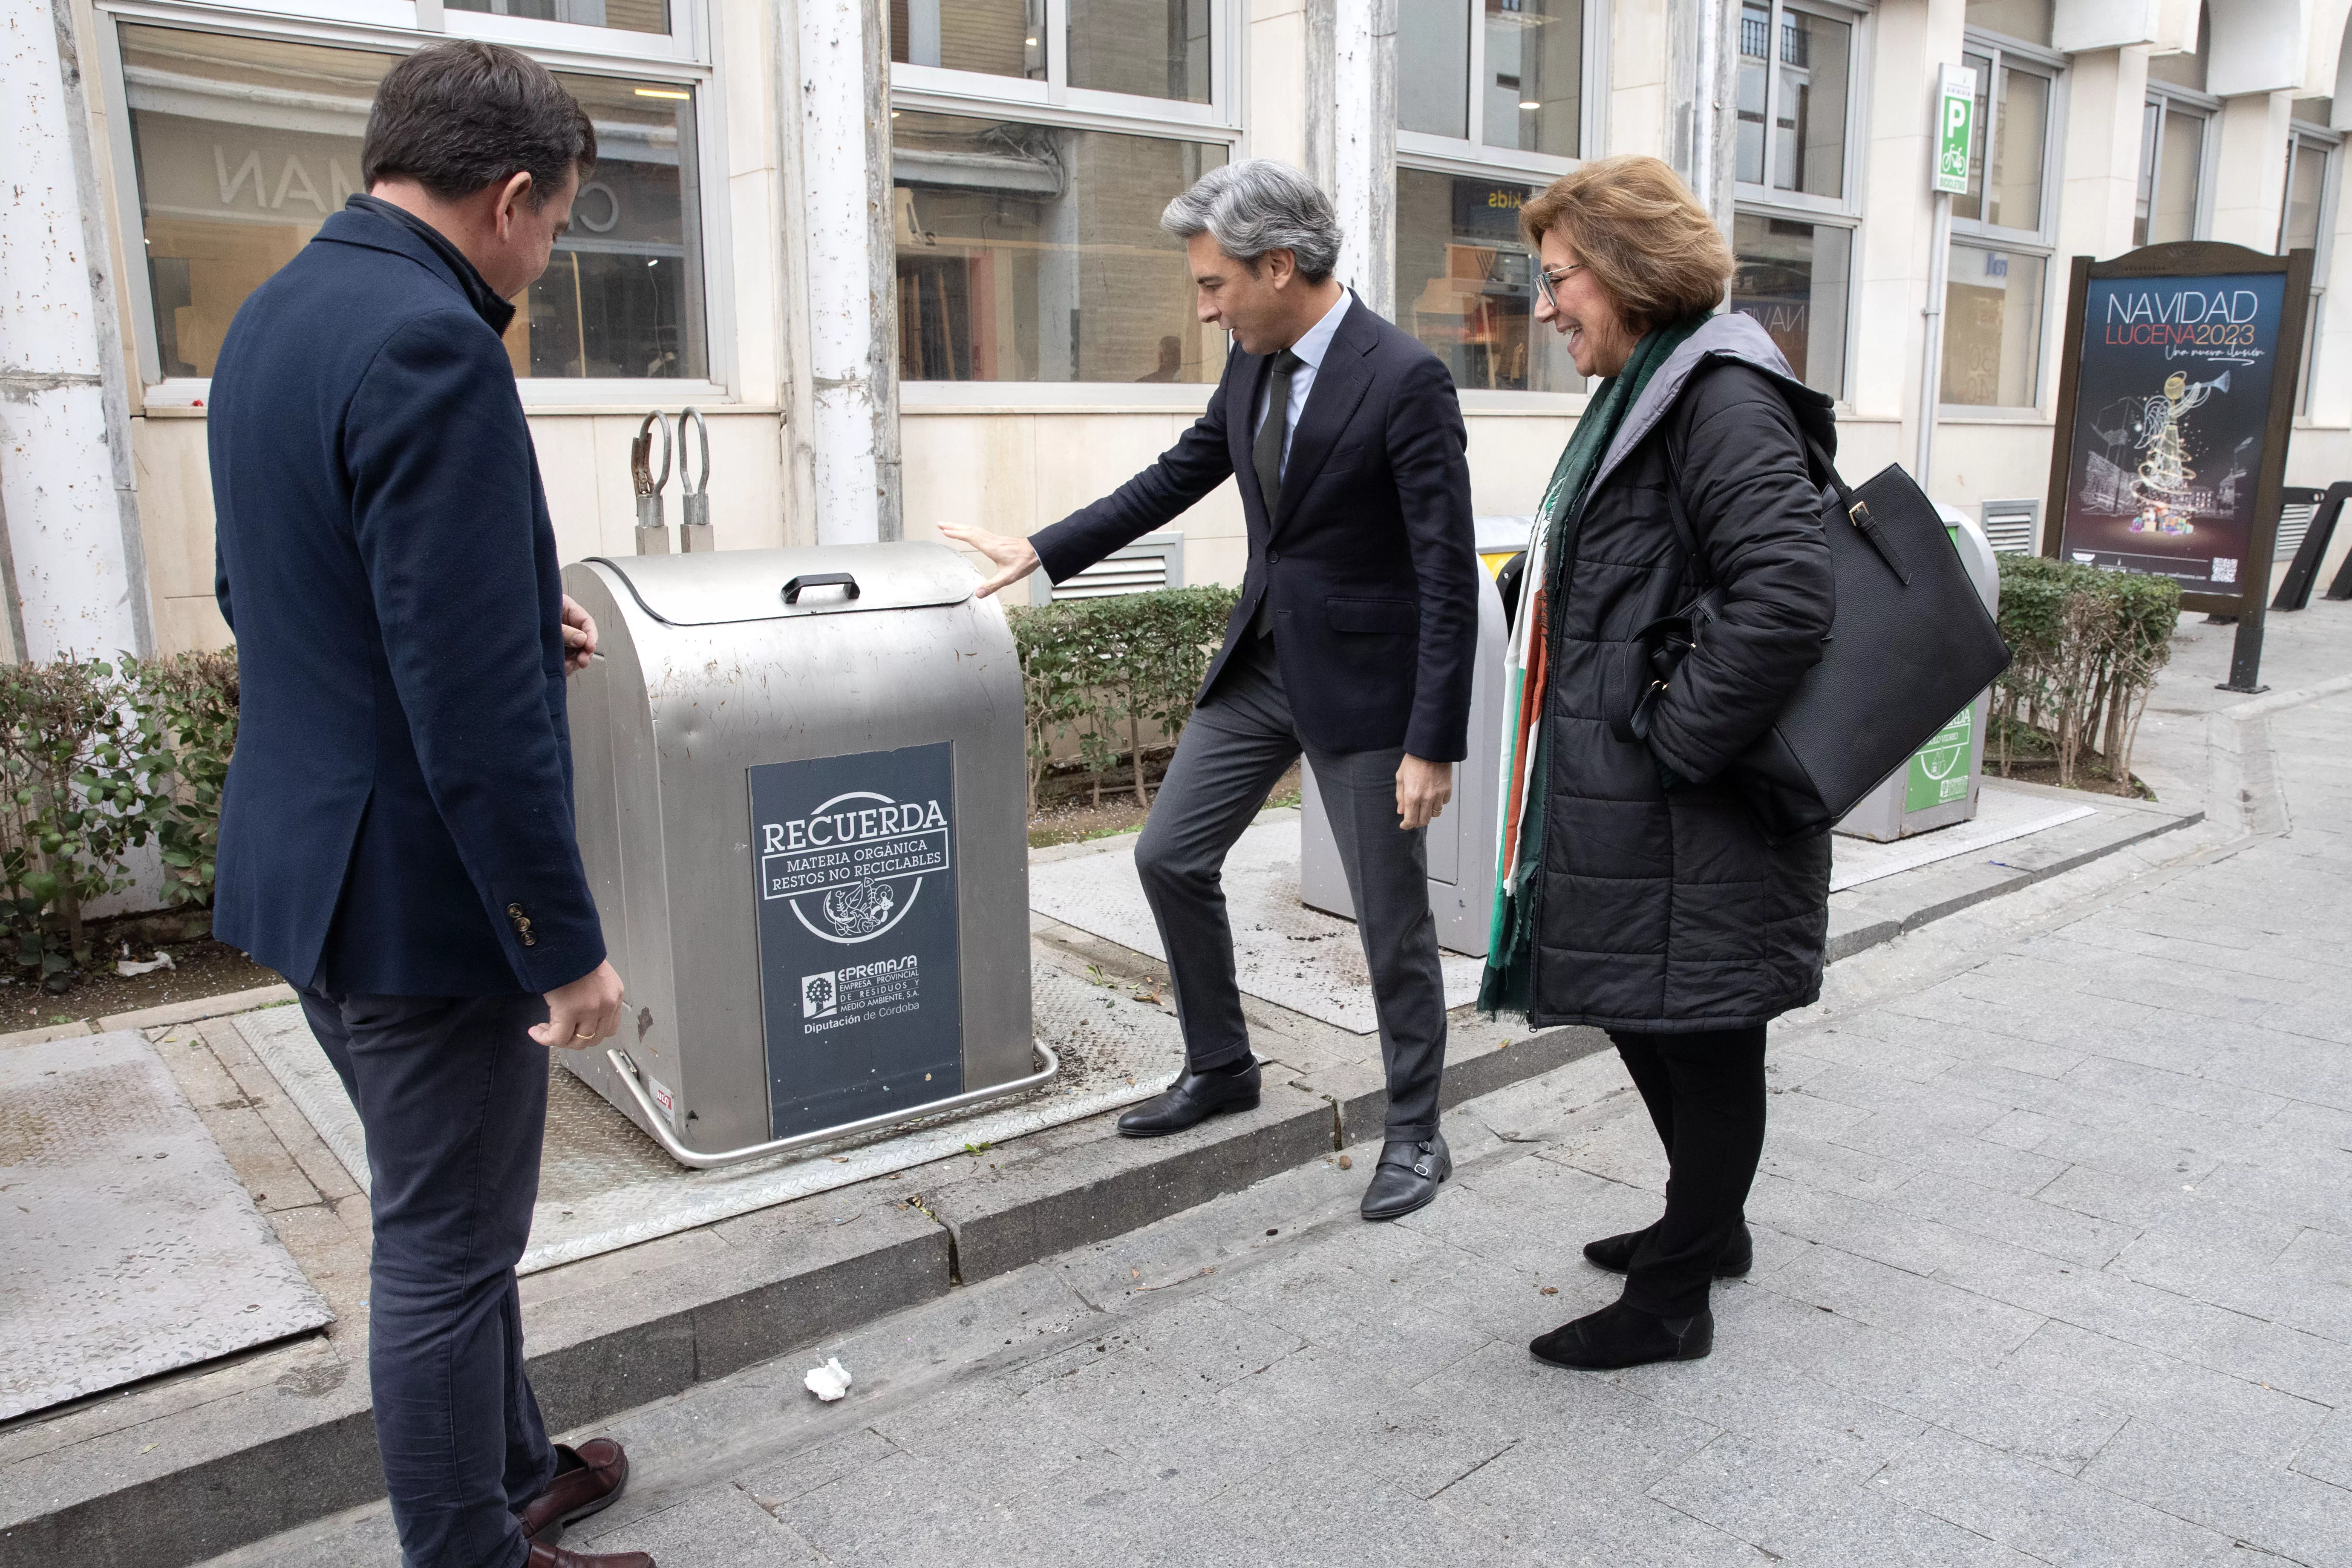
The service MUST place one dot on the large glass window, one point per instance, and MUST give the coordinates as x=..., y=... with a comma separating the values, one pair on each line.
x=1793, y=234
x=2174, y=133
x=1505, y=75
x=1803, y=93
x=1795, y=278
x=1034, y=253
x=629, y=16
x=995, y=37
x=1466, y=284
x=1992, y=327
x=1997, y=268
x=242, y=146
x=1151, y=48
x=2310, y=159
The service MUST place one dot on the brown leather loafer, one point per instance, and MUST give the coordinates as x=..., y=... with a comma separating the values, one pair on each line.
x=542, y=1556
x=587, y=1479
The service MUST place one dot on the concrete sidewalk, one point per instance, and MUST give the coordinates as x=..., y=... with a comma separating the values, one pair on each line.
x=2054, y=1266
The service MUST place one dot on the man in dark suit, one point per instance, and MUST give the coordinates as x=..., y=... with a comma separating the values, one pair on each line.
x=396, y=835
x=1352, y=642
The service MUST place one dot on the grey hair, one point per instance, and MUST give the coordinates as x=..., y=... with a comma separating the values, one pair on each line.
x=1258, y=206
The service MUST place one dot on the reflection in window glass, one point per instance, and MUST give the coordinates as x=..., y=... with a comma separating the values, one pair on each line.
x=2306, y=186
x=2173, y=166
x=1433, y=52
x=622, y=295
x=1992, y=328
x=1153, y=48
x=243, y=146
x=1466, y=284
x=2012, y=136
x=1809, y=117
x=996, y=37
x=1534, y=75
x=1794, y=279
x=1034, y=253
x=1755, y=32
x=629, y=16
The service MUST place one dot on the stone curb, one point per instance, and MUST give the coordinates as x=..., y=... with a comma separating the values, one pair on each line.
x=620, y=1330
x=195, y=1010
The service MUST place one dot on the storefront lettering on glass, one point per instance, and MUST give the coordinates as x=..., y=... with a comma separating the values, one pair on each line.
x=244, y=146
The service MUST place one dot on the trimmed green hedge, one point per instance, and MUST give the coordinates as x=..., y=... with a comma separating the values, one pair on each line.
x=2086, y=646
x=1104, y=671
x=96, y=758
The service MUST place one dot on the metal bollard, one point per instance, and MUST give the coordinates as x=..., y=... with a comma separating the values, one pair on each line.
x=694, y=521
x=653, y=529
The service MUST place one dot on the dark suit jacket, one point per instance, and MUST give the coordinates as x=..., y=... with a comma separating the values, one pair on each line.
x=1372, y=563
x=398, y=814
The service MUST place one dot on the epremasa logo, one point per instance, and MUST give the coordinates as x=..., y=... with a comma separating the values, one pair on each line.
x=853, y=866
x=820, y=995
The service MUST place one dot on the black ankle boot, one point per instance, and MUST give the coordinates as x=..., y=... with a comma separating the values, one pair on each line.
x=1619, y=1335
x=1615, y=1253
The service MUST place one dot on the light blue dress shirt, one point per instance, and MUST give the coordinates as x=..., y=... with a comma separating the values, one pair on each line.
x=1310, y=350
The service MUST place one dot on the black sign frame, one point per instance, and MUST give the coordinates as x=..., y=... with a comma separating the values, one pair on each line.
x=2187, y=262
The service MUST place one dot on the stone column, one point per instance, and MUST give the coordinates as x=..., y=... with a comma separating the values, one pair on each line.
x=2249, y=177
x=1351, y=135
x=840, y=85
x=75, y=567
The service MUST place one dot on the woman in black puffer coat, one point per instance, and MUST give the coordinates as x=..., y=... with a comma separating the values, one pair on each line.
x=1654, y=908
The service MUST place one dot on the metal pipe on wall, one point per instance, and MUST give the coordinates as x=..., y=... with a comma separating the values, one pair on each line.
x=1931, y=349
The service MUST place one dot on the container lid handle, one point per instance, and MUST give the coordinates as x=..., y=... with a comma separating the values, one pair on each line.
x=820, y=580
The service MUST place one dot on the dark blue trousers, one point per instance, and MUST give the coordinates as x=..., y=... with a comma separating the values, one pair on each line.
x=453, y=1094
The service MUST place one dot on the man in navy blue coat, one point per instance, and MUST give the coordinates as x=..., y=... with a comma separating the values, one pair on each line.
x=1353, y=640
x=397, y=837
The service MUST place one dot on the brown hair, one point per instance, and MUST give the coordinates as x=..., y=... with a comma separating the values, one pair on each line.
x=1647, y=241
x=458, y=116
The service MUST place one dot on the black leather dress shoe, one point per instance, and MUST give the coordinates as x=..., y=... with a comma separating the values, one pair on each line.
x=1615, y=1253
x=1619, y=1335
x=1193, y=1100
x=1407, y=1177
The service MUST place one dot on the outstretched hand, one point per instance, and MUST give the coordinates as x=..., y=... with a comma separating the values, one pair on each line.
x=1015, y=558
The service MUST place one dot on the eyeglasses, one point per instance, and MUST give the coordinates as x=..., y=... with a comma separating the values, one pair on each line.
x=1545, y=281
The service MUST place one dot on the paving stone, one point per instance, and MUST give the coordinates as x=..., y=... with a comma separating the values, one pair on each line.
x=1921, y=1309
x=1801, y=1508
x=2269, y=1424
x=2265, y=1505
x=2047, y=1515
x=2329, y=1456
x=2025, y=1222
x=717, y=1529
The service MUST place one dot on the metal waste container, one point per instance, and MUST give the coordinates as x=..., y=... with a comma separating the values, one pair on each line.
x=1939, y=785
x=1461, y=842
x=800, y=782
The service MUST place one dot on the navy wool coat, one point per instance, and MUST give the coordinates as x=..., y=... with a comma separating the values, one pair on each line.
x=398, y=813
x=1371, y=562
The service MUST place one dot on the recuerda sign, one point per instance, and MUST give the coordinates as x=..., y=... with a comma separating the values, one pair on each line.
x=854, y=873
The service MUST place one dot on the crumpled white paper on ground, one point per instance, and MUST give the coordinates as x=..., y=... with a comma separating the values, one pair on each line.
x=828, y=1382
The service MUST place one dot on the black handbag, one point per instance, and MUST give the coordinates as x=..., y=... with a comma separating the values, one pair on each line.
x=1911, y=644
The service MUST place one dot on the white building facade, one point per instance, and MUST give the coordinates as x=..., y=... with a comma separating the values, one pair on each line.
x=904, y=255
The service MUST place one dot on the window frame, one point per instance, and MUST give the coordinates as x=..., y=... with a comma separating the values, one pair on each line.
x=2304, y=137
x=1477, y=158
x=361, y=25
x=1766, y=201
x=2040, y=241
x=936, y=90
x=2167, y=100
x=1053, y=101
x=1471, y=158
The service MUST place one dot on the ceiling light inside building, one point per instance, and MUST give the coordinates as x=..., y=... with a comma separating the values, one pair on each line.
x=661, y=92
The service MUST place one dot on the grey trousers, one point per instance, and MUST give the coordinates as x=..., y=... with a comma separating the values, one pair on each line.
x=1235, y=747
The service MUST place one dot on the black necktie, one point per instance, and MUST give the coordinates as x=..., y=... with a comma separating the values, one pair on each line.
x=1272, y=434
x=1269, y=463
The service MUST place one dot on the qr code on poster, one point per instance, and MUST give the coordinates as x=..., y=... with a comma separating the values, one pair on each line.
x=2225, y=568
